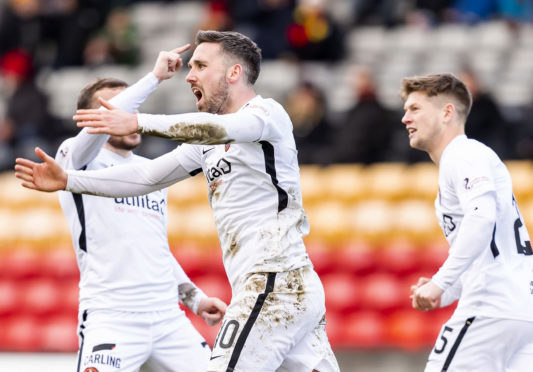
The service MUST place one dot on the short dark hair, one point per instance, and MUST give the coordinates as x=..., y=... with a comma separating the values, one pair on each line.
x=237, y=45
x=435, y=84
x=86, y=97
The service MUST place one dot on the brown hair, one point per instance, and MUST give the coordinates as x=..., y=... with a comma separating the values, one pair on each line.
x=440, y=84
x=86, y=97
x=237, y=45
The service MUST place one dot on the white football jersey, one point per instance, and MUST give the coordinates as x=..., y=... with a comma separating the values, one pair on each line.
x=120, y=243
x=253, y=182
x=499, y=281
x=254, y=191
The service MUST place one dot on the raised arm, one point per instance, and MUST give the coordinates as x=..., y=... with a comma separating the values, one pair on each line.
x=82, y=149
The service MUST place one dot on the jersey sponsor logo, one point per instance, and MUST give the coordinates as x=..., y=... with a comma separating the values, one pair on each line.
x=103, y=359
x=469, y=184
x=205, y=151
x=143, y=202
x=226, y=148
x=216, y=356
x=222, y=167
x=447, y=224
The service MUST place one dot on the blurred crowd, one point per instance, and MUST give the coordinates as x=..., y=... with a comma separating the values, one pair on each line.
x=54, y=34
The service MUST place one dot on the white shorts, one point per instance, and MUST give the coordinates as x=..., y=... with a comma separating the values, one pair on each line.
x=481, y=344
x=275, y=322
x=112, y=341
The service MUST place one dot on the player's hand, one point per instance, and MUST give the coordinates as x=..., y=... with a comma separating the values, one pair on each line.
x=212, y=310
x=46, y=176
x=427, y=296
x=111, y=121
x=168, y=63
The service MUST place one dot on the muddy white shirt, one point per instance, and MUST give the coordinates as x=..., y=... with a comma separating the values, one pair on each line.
x=120, y=243
x=490, y=250
x=253, y=182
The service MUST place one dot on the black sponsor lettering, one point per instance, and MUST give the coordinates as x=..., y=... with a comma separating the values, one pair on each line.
x=222, y=167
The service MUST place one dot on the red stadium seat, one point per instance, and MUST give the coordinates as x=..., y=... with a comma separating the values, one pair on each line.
x=406, y=329
x=69, y=297
x=60, y=264
x=335, y=328
x=383, y=292
x=357, y=258
x=22, y=333
x=433, y=255
x=199, y=260
x=59, y=334
x=343, y=292
x=10, y=299
x=40, y=297
x=22, y=264
x=399, y=257
x=363, y=330
x=322, y=257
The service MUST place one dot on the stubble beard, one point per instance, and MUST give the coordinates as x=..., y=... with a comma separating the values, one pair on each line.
x=217, y=104
x=123, y=143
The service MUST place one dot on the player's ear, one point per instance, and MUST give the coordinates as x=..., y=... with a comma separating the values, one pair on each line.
x=234, y=72
x=449, y=111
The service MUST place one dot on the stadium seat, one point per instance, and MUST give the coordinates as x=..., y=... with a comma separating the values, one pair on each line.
x=10, y=299
x=358, y=258
x=59, y=334
x=69, y=297
x=383, y=293
x=433, y=254
x=399, y=257
x=40, y=297
x=60, y=264
x=22, y=333
x=323, y=257
x=406, y=329
x=22, y=263
x=363, y=330
x=343, y=292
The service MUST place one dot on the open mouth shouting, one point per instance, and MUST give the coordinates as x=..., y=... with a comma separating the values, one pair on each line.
x=198, y=94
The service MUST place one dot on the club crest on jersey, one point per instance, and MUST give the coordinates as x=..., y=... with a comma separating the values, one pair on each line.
x=90, y=369
x=226, y=148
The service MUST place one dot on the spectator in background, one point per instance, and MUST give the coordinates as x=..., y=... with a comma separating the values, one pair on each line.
x=366, y=131
x=116, y=43
x=485, y=122
x=306, y=106
x=27, y=119
x=216, y=17
x=314, y=34
x=379, y=12
x=427, y=13
x=53, y=32
x=264, y=21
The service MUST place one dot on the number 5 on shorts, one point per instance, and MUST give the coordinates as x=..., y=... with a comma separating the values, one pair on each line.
x=444, y=340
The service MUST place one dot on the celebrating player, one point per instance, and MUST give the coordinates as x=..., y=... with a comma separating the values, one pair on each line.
x=246, y=151
x=490, y=263
x=130, y=282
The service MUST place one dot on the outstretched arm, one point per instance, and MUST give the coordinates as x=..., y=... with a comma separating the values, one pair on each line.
x=119, y=181
x=47, y=176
